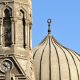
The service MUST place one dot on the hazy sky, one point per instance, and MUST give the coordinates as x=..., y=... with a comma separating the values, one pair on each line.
x=65, y=15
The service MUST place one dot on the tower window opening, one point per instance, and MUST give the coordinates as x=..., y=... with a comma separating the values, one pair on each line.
x=23, y=23
x=7, y=38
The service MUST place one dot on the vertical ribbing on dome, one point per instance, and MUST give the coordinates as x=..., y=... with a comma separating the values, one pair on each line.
x=75, y=55
x=49, y=58
x=66, y=59
x=58, y=61
x=35, y=53
x=74, y=63
x=41, y=44
x=41, y=61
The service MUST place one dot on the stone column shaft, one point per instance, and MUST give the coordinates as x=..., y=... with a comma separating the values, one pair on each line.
x=0, y=31
x=30, y=35
x=13, y=32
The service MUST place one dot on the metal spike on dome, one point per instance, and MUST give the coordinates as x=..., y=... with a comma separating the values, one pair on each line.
x=49, y=25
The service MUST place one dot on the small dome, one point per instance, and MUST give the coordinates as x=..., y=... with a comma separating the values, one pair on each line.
x=52, y=61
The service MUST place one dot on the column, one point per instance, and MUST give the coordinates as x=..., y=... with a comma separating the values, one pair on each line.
x=26, y=34
x=30, y=35
x=13, y=31
x=0, y=31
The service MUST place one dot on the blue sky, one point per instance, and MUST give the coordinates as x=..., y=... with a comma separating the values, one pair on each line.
x=65, y=15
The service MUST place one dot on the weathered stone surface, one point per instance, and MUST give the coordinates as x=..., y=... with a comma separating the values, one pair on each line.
x=19, y=52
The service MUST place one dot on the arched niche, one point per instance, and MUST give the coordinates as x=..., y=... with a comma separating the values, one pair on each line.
x=7, y=31
x=22, y=13
x=23, y=21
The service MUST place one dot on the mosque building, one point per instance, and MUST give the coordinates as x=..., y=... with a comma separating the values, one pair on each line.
x=53, y=61
x=18, y=61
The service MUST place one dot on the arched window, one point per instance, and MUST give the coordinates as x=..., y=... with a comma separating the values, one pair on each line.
x=23, y=24
x=23, y=17
x=7, y=28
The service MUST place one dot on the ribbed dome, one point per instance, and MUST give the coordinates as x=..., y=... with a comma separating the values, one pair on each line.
x=53, y=61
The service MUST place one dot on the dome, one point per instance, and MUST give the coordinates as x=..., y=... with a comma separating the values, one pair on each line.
x=52, y=61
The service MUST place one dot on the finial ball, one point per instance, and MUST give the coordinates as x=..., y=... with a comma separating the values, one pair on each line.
x=49, y=20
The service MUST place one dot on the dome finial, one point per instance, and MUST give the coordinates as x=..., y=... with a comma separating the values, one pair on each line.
x=49, y=24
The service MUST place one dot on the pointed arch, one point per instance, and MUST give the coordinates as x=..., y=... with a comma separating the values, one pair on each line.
x=23, y=17
x=22, y=13
x=9, y=9
x=7, y=39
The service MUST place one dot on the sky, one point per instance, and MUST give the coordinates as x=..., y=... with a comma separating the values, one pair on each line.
x=65, y=15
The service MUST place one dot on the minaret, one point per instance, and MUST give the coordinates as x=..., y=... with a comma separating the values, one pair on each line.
x=15, y=21
x=16, y=40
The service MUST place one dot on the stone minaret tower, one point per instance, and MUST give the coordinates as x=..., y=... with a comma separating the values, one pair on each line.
x=15, y=40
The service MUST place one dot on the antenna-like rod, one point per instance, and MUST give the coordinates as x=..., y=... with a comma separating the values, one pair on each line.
x=49, y=25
